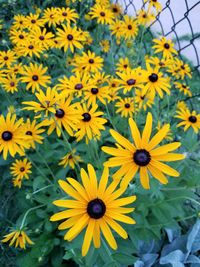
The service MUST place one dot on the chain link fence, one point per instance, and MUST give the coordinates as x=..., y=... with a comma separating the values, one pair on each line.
x=178, y=20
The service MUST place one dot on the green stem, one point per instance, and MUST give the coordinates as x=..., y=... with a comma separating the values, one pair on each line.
x=41, y=189
x=27, y=212
x=109, y=117
x=182, y=219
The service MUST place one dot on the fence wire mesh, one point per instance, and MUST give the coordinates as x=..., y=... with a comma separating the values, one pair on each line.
x=172, y=24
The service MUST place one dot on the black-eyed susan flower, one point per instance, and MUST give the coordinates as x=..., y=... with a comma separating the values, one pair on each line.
x=116, y=28
x=33, y=21
x=96, y=93
x=183, y=88
x=129, y=28
x=10, y=83
x=116, y=9
x=67, y=14
x=42, y=37
x=29, y=48
x=94, y=206
x=32, y=132
x=7, y=58
x=164, y=46
x=182, y=69
x=130, y=79
x=142, y=99
x=18, y=37
x=88, y=62
x=47, y=102
x=103, y=14
x=70, y=159
x=155, y=4
x=189, y=119
x=91, y=124
x=51, y=16
x=20, y=169
x=123, y=64
x=18, y=238
x=69, y=38
x=12, y=140
x=143, y=156
x=19, y=22
x=155, y=81
x=126, y=106
x=66, y=117
x=145, y=17
x=34, y=76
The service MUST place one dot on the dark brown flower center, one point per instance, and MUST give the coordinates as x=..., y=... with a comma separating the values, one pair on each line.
x=60, y=113
x=86, y=117
x=30, y=46
x=182, y=67
x=33, y=21
x=41, y=38
x=64, y=14
x=7, y=136
x=91, y=61
x=130, y=27
x=35, y=78
x=70, y=37
x=21, y=36
x=115, y=10
x=127, y=105
x=141, y=157
x=131, y=81
x=102, y=14
x=94, y=91
x=166, y=45
x=70, y=156
x=78, y=86
x=5, y=58
x=153, y=77
x=192, y=119
x=29, y=133
x=12, y=84
x=22, y=169
x=96, y=208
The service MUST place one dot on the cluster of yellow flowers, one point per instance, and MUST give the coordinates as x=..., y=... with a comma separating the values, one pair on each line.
x=78, y=103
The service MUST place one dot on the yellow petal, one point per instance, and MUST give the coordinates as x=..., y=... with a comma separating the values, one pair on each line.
x=158, y=137
x=135, y=133
x=108, y=234
x=122, y=140
x=116, y=227
x=147, y=130
x=144, y=178
x=165, y=168
x=165, y=149
x=88, y=237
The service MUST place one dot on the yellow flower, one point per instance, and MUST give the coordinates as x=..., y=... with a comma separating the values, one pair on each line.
x=70, y=159
x=166, y=47
x=144, y=99
x=129, y=28
x=67, y=14
x=12, y=139
x=143, y=156
x=42, y=37
x=7, y=58
x=91, y=123
x=126, y=106
x=51, y=16
x=189, y=119
x=32, y=21
x=95, y=206
x=145, y=17
x=169, y=135
x=10, y=83
x=123, y=64
x=35, y=76
x=105, y=46
x=183, y=88
x=102, y=14
x=19, y=237
x=20, y=169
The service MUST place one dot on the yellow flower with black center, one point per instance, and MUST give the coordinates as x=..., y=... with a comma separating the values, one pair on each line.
x=179, y=69
x=129, y=28
x=116, y=28
x=51, y=17
x=123, y=64
x=189, y=119
x=164, y=46
x=66, y=117
x=126, y=106
x=144, y=99
x=10, y=83
x=116, y=9
x=20, y=169
x=143, y=156
x=42, y=37
x=155, y=81
x=91, y=124
x=67, y=14
x=47, y=102
x=12, y=140
x=145, y=17
x=88, y=62
x=19, y=22
x=19, y=238
x=29, y=48
x=183, y=88
x=96, y=93
x=130, y=79
x=95, y=206
x=32, y=21
x=103, y=14
x=18, y=37
x=69, y=38
x=155, y=4
x=7, y=58
x=34, y=76
x=32, y=132
x=70, y=159
x=158, y=62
